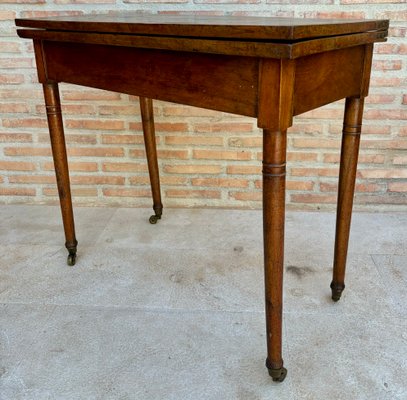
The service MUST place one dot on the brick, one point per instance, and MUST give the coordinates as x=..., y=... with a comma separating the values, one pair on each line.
x=14, y=108
x=27, y=151
x=381, y=200
x=224, y=127
x=383, y=173
x=17, y=166
x=89, y=95
x=366, y=129
x=123, y=139
x=246, y=196
x=85, y=1
x=42, y=14
x=393, y=15
x=314, y=172
x=400, y=160
x=227, y=1
x=295, y=156
x=162, y=126
x=6, y=15
x=359, y=187
x=386, y=48
x=17, y=192
x=404, y=101
x=384, y=144
x=76, y=192
x=10, y=47
x=194, y=140
x=97, y=180
x=10, y=94
x=299, y=1
x=290, y=185
x=380, y=99
x=192, y=169
x=335, y=14
x=96, y=152
x=95, y=124
x=245, y=141
x=194, y=194
x=324, y=113
x=126, y=193
x=162, y=154
x=397, y=31
x=363, y=158
x=371, y=1
x=35, y=179
x=398, y=187
x=403, y=131
x=164, y=180
x=15, y=62
x=123, y=167
x=316, y=143
x=73, y=166
x=221, y=155
x=155, y=1
x=244, y=169
x=306, y=128
x=387, y=65
x=11, y=79
x=15, y=137
x=385, y=82
x=23, y=1
x=268, y=13
x=119, y=110
x=220, y=182
x=80, y=139
x=312, y=198
x=25, y=123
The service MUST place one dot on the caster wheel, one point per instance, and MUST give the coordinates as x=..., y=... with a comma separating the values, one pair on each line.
x=278, y=375
x=336, y=291
x=71, y=259
x=154, y=218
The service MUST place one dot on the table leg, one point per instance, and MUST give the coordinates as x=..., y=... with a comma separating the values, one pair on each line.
x=147, y=117
x=274, y=161
x=56, y=131
x=347, y=175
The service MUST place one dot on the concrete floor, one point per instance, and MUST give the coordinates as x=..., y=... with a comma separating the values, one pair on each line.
x=175, y=310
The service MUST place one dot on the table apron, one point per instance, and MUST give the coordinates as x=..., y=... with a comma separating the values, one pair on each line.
x=233, y=84
x=219, y=82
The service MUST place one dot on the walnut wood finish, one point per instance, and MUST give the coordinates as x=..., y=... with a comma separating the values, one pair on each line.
x=270, y=69
x=207, y=26
x=147, y=117
x=274, y=171
x=352, y=127
x=56, y=131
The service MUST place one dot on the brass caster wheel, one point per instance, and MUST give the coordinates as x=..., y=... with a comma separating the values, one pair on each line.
x=278, y=375
x=154, y=218
x=71, y=259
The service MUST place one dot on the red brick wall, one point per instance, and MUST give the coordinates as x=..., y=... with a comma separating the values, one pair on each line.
x=206, y=158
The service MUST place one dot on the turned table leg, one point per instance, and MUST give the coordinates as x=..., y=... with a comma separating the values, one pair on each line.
x=56, y=131
x=347, y=175
x=147, y=117
x=274, y=159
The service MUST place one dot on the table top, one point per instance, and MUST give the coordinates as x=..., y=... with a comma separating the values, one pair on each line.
x=235, y=27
